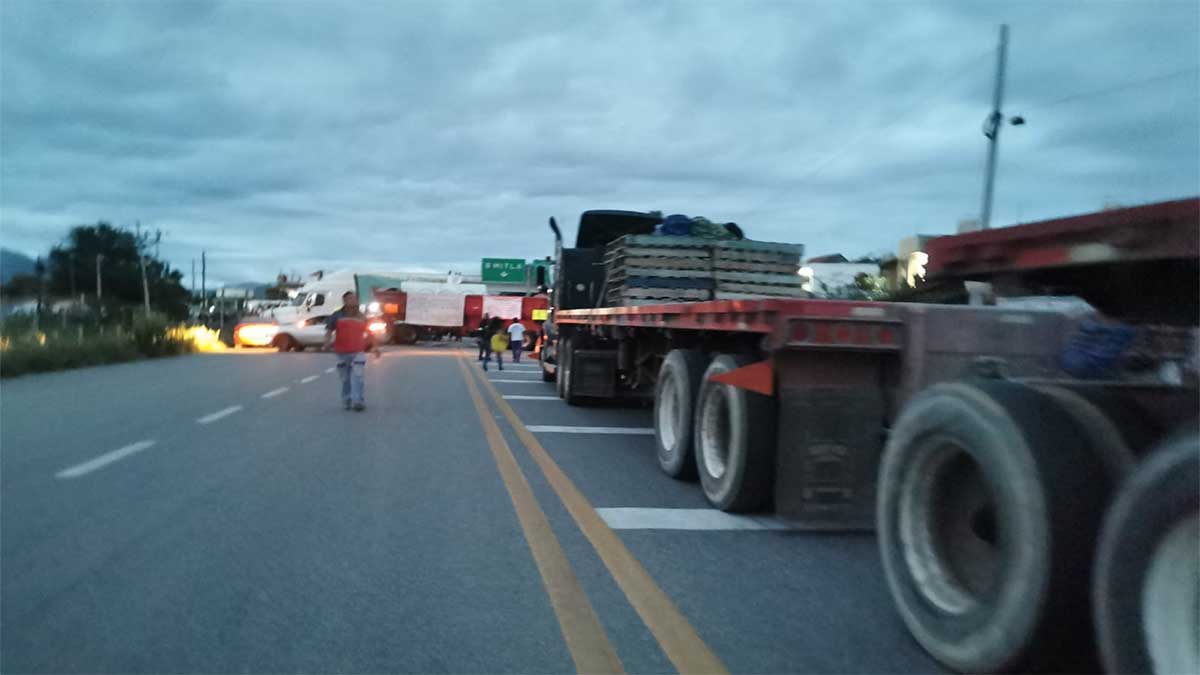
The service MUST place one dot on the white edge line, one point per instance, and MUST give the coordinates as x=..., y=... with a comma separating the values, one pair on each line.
x=105, y=459
x=274, y=392
x=623, y=518
x=219, y=414
x=553, y=429
x=310, y=378
x=331, y=369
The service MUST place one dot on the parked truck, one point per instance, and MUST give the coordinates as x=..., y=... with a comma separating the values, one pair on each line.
x=1033, y=476
x=400, y=309
x=460, y=318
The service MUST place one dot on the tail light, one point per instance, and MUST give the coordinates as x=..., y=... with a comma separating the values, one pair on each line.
x=845, y=334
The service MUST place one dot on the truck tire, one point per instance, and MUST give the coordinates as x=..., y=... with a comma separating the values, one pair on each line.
x=546, y=376
x=679, y=380
x=561, y=367
x=1112, y=428
x=734, y=440
x=566, y=367
x=1147, y=584
x=988, y=507
x=404, y=334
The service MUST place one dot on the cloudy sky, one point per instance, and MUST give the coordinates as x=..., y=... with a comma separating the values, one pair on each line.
x=293, y=135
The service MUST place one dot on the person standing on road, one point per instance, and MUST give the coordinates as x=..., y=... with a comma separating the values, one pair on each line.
x=346, y=331
x=516, y=335
x=499, y=343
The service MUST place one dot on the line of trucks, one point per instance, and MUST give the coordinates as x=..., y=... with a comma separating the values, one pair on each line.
x=399, y=310
x=1032, y=475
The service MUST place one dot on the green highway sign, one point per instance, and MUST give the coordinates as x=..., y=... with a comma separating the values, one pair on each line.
x=511, y=270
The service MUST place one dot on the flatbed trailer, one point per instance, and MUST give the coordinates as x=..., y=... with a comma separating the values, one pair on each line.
x=1019, y=475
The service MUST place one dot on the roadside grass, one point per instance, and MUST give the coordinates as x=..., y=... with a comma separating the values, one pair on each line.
x=24, y=350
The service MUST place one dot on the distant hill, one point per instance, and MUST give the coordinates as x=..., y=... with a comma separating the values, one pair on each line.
x=12, y=264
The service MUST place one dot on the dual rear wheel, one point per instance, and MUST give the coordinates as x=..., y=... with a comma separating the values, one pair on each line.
x=998, y=543
x=723, y=434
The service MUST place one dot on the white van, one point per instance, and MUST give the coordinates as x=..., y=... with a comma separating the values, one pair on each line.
x=302, y=323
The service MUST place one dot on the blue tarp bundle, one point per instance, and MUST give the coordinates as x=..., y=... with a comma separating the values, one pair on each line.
x=676, y=225
x=1096, y=349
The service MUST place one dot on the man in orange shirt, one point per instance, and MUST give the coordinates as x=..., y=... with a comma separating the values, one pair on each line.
x=346, y=331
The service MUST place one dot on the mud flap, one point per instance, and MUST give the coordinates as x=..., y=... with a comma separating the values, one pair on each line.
x=829, y=443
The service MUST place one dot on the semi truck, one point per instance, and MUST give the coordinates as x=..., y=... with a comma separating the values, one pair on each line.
x=462, y=319
x=401, y=310
x=1032, y=476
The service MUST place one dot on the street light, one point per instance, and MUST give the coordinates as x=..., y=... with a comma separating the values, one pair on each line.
x=991, y=129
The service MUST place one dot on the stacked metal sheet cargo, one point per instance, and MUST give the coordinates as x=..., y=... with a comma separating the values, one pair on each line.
x=756, y=269
x=650, y=269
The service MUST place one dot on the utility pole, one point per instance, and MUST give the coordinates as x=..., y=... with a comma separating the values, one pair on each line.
x=99, y=285
x=991, y=129
x=204, y=268
x=39, y=268
x=142, y=263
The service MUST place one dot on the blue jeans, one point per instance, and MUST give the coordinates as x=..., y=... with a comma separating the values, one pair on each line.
x=516, y=347
x=351, y=368
x=499, y=359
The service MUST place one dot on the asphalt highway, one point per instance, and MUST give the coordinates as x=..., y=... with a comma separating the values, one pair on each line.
x=221, y=513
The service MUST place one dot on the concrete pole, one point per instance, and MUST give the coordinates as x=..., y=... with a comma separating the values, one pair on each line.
x=995, y=121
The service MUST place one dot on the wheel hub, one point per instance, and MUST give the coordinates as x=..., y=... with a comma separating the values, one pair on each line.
x=1171, y=600
x=715, y=432
x=948, y=516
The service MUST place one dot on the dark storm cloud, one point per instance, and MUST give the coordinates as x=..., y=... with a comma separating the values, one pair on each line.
x=299, y=136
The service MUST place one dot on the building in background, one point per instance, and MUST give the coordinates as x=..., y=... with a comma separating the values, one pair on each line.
x=834, y=276
x=907, y=269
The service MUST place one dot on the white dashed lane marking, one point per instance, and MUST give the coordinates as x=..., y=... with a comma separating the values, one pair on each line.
x=274, y=392
x=104, y=460
x=685, y=519
x=209, y=419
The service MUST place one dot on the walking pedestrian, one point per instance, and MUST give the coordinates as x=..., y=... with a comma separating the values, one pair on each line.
x=499, y=344
x=347, y=333
x=516, y=335
x=485, y=346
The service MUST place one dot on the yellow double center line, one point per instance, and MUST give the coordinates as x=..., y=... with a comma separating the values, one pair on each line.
x=670, y=628
x=585, y=637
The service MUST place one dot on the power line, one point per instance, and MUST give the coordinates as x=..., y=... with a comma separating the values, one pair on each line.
x=1109, y=90
x=918, y=103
